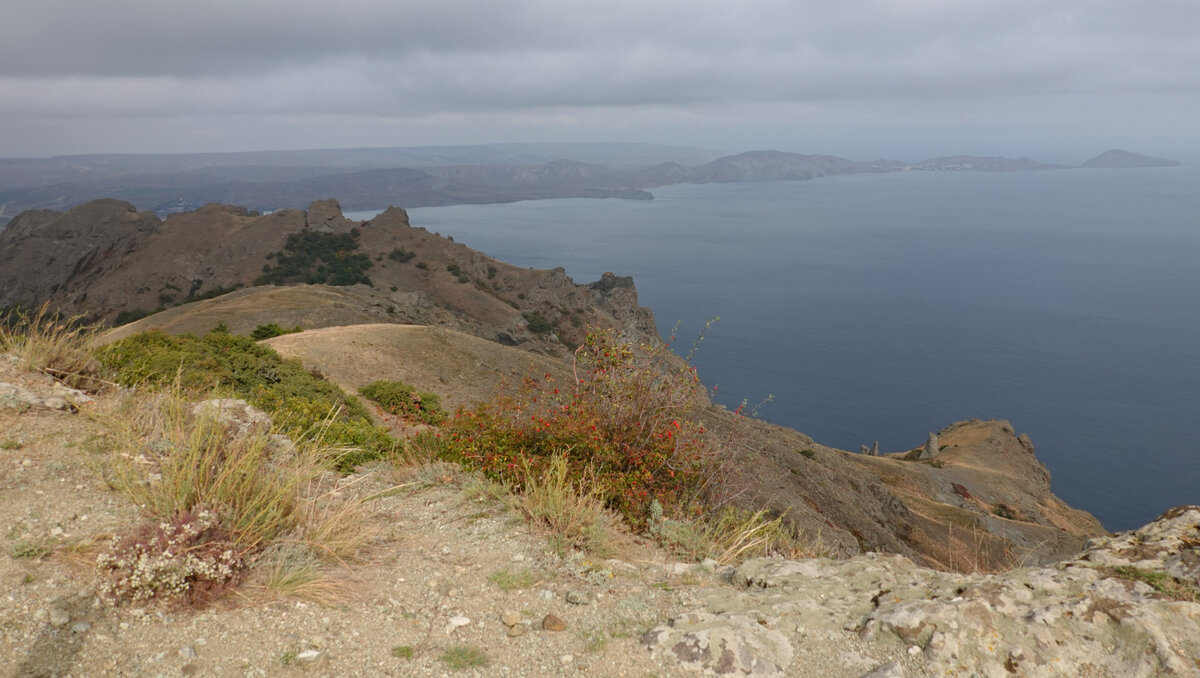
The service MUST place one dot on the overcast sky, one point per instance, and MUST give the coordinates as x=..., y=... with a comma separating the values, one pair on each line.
x=1058, y=80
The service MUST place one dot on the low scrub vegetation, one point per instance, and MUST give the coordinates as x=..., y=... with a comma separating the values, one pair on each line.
x=403, y=400
x=537, y=323
x=302, y=405
x=318, y=259
x=401, y=255
x=272, y=330
x=625, y=440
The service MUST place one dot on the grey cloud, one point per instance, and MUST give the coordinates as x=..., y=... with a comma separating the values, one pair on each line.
x=432, y=60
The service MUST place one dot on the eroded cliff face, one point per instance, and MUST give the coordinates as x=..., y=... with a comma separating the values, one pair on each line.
x=52, y=256
x=982, y=504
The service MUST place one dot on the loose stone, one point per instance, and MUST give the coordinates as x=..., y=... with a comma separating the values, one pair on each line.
x=553, y=623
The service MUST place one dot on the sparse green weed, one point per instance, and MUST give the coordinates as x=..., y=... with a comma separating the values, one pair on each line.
x=509, y=580
x=32, y=549
x=463, y=657
x=1161, y=582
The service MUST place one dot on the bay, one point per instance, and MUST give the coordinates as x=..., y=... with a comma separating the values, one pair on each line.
x=882, y=307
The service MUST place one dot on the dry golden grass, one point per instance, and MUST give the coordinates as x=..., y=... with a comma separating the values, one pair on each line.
x=573, y=514
x=56, y=346
x=291, y=521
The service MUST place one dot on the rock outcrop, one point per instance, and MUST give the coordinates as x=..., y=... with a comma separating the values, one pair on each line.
x=983, y=504
x=1128, y=605
x=47, y=255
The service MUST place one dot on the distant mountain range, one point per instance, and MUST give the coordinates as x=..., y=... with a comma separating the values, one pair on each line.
x=437, y=175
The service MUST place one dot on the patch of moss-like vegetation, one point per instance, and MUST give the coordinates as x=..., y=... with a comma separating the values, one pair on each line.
x=300, y=404
x=401, y=255
x=538, y=324
x=318, y=259
x=134, y=314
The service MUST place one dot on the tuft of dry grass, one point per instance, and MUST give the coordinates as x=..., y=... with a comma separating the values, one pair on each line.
x=293, y=570
x=46, y=342
x=729, y=537
x=573, y=513
x=279, y=510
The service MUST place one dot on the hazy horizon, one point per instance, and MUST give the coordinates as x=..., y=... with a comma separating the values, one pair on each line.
x=1071, y=160
x=863, y=80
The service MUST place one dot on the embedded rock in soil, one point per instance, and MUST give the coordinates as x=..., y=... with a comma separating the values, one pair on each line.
x=1126, y=606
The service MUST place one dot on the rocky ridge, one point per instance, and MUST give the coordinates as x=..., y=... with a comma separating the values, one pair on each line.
x=105, y=257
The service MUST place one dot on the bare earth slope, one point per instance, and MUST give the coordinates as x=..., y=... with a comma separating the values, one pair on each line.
x=460, y=368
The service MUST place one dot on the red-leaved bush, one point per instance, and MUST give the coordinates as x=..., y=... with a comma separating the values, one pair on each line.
x=629, y=423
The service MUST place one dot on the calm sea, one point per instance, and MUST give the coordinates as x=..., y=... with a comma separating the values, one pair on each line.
x=882, y=307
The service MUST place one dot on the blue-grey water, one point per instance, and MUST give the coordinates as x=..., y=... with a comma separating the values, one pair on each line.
x=882, y=307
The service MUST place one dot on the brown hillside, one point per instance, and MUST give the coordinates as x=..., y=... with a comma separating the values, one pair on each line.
x=103, y=258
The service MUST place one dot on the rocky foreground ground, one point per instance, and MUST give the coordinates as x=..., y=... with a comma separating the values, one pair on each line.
x=454, y=583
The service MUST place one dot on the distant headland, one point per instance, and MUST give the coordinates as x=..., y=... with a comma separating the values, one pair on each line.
x=372, y=178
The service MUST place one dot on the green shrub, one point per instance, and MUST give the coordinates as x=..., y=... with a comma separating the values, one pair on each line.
x=300, y=404
x=538, y=323
x=212, y=293
x=134, y=314
x=403, y=400
x=318, y=258
x=401, y=255
x=272, y=330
